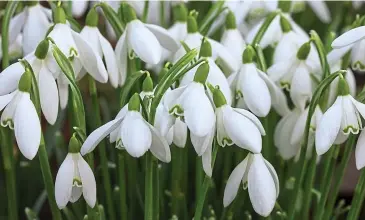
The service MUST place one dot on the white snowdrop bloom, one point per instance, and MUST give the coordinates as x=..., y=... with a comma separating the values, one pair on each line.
x=260, y=177
x=75, y=178
x=142, y=40
x=33, y=22
x=255, y=89
x=294, y=75
x=101, y=46
x=15, y=48
x=215, y=76
x=341, y=119
x=77, y=49
x=192, y=102
x=131, y=132
x=194, y=40
x=20, y=114
x=232, y=38
x=178, y=133
x=321, y=10
x=360, y=151
x=79, y=7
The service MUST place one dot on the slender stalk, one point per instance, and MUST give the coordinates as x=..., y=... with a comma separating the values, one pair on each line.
x=176, y=162
x=9, y=165
x=198, y=176
x=102, y=151
x=9, y=11
x=149, y=187
x=205, y=186
x=122, y=185
x=358, y=198
x=145, y=11
x=308, y=183
x=156, y=184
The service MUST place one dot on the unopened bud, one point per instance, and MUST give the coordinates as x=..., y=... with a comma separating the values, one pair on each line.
x=201, y=74
x=134, y=103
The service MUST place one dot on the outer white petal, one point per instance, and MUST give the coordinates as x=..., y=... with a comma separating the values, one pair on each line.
x=121, y=54
x=9, y=78
x=135, y=134
x=349, y=37
x=7, y=116
x=219, y=51
x=357, y=57
x=163, y=120
x=5, y=99
x=91, y=36
x=274, y=176
x=299, y=127
x=200, y=144
x=159, y=146
x=261, y=187
x=336, y=55
x=16, y=25
x=178, y=31
x=286, y=149
x=207, y=156
x=27, y=127
x=278, y=70
x=233, y=182
x=172, y=97
x=241, y=130
x=222, y=136
x=180, y=133
x=321, y=10
x=143, y=42
x=79, y=8
x=62, y=83
x=98, y=135
x=61, y=34
x=217, y=77
x=301, y=87
x=329, y=127
x=233, y=41
x=163, y=37
x=110, y=60
x=350, y=122
x=48, y=93
x=360, y=151
x=64, y=181
x=360, y=107
x=253, y=118
x=92, y=63
x=351, y=81
x=88, y=181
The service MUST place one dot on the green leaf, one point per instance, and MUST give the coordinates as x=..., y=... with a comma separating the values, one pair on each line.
x=264, y=27
x=31, y=215
x=9, y=12
x=131, y=80
x=113, y=18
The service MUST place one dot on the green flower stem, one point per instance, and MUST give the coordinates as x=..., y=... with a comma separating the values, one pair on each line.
x=176, y=164
x=149, y=187
x=206, y=183
x=199, y=173
x=9, y=165
x=9, y=12
x=329, y=165
x=156, y=184
x=213, y=13
x=122, y=185
x=102, y=151
x=308, y=183
x=162, y=14
x=145, y=11
x=358, y=198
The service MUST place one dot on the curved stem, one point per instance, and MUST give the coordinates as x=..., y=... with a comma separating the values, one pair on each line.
x=260, y=34
x=307, y=195
x=9, y=11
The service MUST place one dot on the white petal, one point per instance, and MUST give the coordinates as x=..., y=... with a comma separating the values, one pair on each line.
x=159, y=146
x=217, y=78
x=92, y=63
x=225, y=56
x=253, y=118
x=48, y=93
x=143, y=42
x=171, y=98
x=88, y=182
x=63, y=90
x=261, y=187
x=163, y=120
x=278, y=70
x=91, y=36
x=350, y=122
x=16, y=25
x=360, y=151
x=233, y=183
x=27, y=127
x=5, y=99
x=61, y=35
x=299, y=127
x=98, y=135
x=163, y=37
x=286, y=149
x=64, y=181
x=329, y=127
x=241, y=130
x=200, y=144
x=301, y=87
x=76, y=193
x=207, y=155
x=351, y=81
x=121, y=54
x=274, y=176
x=349, y=37
x=9, y=78
x=321, y=10
x=336, y=55
x=79, y=8
x=110, y=60
x=7, y=116
x=178, y=31
x=135, y=134
x=222, y=136
x=180, y=133
x=360, y=107
x=357, y=57
x=233, y=41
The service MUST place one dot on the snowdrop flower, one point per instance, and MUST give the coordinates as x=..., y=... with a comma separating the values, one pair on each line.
x=75, y=178
x=77, y=49
x=232, y=38
x=360, y=151
x=294, y=75
x=254, y=89
x=33, y=22
x=215, y=76
x=321, y=10
x=194, y=40
x=142, y=40
x=101, y=46
x=178, y=133
x=131, y=132
x=20, y=114
x=260, y=177
x=341, y=119
x=191, y=102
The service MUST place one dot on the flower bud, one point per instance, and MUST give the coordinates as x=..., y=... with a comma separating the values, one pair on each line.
x=303, y=51
x=248, y=55
x=147, y=85
x=205, y=49
x=192, y=25
x=218, y=98
x=285, y=6
x=92, y=18
x=134, y=103
x=230, y=21
x=201, y=73
x=42, y=49
x=342, y=87
x=180, y=13
x=59, y=16
x=74, y=145
x=128, y=13
x=285, y=25
x=25, y=82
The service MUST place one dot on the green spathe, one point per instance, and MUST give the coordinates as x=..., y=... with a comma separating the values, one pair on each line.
x=285, y=25
x=201, y=74
x=147, y=85
x=285, y=6
x=205, y=49
x=248, y=55
x=303, y=51
x=230, y=21
x=134, y=103
x=59, y=15
x=342, y=87
x=218, y=98
x=192, y=25
x=42, y=49
x=74, y=145
x=25, y=82
x=92, y=18
x=128, y=13
x=180, y=13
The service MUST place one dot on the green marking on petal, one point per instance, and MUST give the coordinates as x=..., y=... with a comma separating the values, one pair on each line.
x=177, y=110
x=77, y=182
